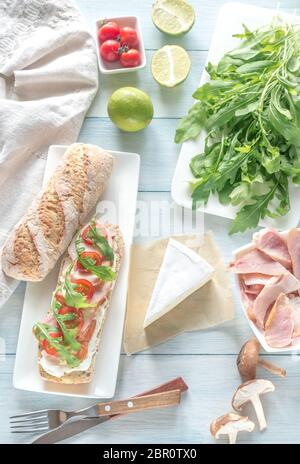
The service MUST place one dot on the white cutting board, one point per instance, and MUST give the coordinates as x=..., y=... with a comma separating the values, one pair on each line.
x=230, y=20
x=117, y=205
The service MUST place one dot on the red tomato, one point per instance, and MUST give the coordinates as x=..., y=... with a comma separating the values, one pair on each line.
x=109, y=50
x=47, y=347
x=128, y=36
x=96, y=257
x=85, y=235
x=108, y=31
x=60, y=299
x=130, y=58
x=85, y=287
x=86, y=333
x=78, y=317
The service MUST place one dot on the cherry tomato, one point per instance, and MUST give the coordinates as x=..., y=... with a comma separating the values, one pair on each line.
x=86, y=333
x=109, y=50
x=78, y=319
x=108, y=31
x=96, y=257
x=128, y=36
x=85, y=287
x=130, y=58
x=82, y=353
x=85, y=235
x=47, y=347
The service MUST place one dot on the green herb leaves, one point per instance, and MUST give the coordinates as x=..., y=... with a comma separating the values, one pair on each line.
x=250, y=110
x=101, y=243
x=73, y=298
x=103, y=272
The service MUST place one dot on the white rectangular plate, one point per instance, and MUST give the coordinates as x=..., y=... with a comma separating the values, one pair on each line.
x=257, y=332
x=230, y=20
x=117, y=205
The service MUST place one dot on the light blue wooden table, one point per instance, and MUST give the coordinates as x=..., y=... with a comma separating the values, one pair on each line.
x=205, y=359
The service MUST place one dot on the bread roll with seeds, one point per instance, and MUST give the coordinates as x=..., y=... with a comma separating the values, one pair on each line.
x=43, y=234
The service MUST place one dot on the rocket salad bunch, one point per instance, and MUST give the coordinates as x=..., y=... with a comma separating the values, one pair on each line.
x=250, y=111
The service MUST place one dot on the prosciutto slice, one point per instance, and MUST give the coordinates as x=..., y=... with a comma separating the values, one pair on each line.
x=286, y=283
x=256, y=262
x=271, y=243
x=280, y=323
x=255, y=279
x=293, y=243
x=295, y=304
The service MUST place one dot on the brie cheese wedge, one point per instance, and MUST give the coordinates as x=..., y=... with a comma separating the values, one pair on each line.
x=182, y=272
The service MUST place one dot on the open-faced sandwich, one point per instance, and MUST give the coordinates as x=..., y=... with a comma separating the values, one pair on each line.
x=69, y=336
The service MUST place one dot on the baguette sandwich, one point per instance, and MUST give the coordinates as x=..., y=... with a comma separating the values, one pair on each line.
x=70, y=334
x=45, y=231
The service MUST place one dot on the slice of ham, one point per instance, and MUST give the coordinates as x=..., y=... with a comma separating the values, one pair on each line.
x=293, y=243
x=271, y=243
x=256, y=279
x=295, y=304
x=256, y=262
x=280, y=323
x=287, y=283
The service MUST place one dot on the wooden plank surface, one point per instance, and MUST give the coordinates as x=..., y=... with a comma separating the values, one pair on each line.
x=205, y=359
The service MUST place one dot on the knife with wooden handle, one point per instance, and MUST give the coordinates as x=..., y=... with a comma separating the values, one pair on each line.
x=73, y=427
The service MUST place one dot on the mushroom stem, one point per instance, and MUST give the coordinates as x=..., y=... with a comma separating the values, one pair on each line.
x=255, y=400
x=232, y=438
x=272, y=368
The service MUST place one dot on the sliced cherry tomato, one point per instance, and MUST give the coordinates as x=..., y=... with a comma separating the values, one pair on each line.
x=47, y=347
x=60, y=299
x=109, y=50
x=87, y=332
x=85, y=235
x=109, y=30
x=85, y=287
x=78, y=319
x=129, y=37
x=96, y=257
x=82, y=353
x=130, y=58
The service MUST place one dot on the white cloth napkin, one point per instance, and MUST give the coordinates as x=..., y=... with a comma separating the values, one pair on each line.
x=48, y=78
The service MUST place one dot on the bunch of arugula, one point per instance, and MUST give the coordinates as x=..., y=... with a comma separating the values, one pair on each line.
x=250, y=110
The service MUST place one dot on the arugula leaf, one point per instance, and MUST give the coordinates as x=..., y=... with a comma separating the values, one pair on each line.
x=69, y=335
x=42, y=332
x=73, y=298
x=101, y=243
x=103, y=272
x=190, y=126
x=250, y=215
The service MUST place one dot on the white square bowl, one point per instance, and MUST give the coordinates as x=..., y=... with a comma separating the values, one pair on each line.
x=116, y=67
x=257, y=332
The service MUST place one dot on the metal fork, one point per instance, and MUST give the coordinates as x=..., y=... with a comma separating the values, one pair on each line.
x=48, y=419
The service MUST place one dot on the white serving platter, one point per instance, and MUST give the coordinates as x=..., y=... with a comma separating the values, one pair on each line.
x=118, y=205
x=257, y=332
x=230, y=20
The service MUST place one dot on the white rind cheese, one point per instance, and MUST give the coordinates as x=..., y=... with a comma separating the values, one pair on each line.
x=182, y=272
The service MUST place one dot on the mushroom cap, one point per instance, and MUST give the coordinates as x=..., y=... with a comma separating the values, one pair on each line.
x=230, y=422
x=247, y=359
x=248, y=390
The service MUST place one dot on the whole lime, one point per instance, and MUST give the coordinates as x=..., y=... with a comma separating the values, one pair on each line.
x=130, y=109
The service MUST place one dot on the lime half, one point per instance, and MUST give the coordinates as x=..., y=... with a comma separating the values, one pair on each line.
x=174, y=17
x=170, y=65
x=130, y=109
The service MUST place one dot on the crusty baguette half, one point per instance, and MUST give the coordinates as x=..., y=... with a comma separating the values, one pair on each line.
x=43, y=234
x=78, y=376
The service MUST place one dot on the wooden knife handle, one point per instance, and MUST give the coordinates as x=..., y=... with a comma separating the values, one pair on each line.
x=157, y=400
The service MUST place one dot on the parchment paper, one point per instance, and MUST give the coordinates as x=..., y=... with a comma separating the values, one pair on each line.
x=209, y=306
